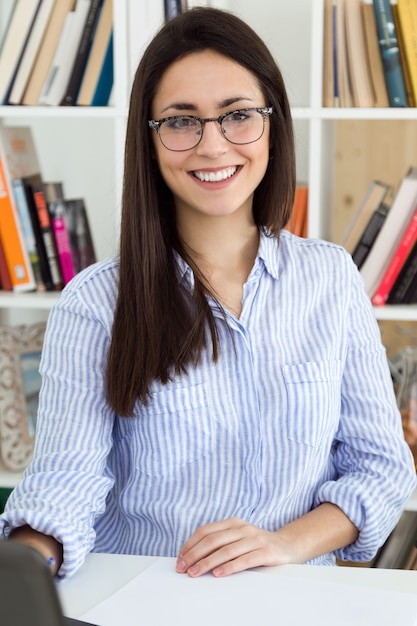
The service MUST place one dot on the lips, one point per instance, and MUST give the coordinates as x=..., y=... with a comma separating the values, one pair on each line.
x=217, y=176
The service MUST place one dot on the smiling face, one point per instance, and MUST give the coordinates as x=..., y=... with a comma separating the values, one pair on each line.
x=216, y=178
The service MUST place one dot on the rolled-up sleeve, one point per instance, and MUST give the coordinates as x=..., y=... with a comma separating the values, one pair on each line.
x=64, y=489
x=376, y=473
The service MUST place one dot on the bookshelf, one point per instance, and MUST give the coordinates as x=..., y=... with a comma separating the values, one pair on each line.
x=84, y=146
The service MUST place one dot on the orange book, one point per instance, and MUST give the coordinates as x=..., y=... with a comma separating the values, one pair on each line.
x=17, y=158
x=298, y=220
x=18, y=263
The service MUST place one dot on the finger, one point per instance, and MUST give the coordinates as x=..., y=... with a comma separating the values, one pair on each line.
x=208, y=529
x=206, y=540
x=226, y=560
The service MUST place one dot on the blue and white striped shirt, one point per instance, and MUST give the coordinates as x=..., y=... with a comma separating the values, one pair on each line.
x=298, y=410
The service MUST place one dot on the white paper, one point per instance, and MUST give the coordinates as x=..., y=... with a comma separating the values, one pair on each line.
x=159, y=596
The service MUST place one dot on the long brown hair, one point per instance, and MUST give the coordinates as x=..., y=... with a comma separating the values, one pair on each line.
x=158, y=329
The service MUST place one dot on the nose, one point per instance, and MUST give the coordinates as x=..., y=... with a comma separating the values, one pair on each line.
x=213, y=142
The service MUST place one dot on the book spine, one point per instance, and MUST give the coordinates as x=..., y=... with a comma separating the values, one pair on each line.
x=40, y=244
x=390, y=53
x=27, y=230
x=62, y=241
x=18, y=263
x=105, y=81
x=369, y=235
x=336, y=92
x=407, y=18
x=83, y=51
x=405, y=277
x=48, y=238
x=407, y=242
x=5, y=281
x=172, y=8
x=82, y=247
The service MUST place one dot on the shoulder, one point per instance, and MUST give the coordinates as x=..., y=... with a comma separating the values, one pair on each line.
x=293, y=247
x=312, y=266
x=94, y=289
x=292, y=253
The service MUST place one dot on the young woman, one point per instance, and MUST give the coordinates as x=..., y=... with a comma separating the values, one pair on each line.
x=218, y=391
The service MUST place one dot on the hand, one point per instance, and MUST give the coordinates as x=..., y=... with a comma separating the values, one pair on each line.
x=230, y=546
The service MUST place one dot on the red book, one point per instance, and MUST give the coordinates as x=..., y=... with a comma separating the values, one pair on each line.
x=5, y=281
x=397, y=261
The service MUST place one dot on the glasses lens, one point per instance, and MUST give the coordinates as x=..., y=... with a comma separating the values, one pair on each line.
x=245, y=126
x=180, y=133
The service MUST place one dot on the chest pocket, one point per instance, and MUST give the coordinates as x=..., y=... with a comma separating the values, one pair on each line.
x=313, y=400
x=175, y=429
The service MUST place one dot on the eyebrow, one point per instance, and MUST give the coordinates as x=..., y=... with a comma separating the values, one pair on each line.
x=187, y=106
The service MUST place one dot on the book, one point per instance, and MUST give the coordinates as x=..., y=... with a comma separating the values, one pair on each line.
x=142, y=26
x=390, y=54
x=403, y=284
x=96, y=60
x=374, y=55
x=78, y=228
x=23, y=211
x=5, y=280
x=299, y=218
x=44, y=268
x=172, y=8
x=57, y=211
x=47, y=52
x=53, y=190
x=343, y=78
x=82, y=54
x=44, y=233
x=357, y=52
x=6, y=15
x=397, y=262
x=17, y=158
x=59, y=73
x=399, y=215
x=14, y=43
x=30, y=52
x=103, y=89
x=403, y=56
x=328, y=49
x=375, y=195
x=407, y=18
x=370, y=234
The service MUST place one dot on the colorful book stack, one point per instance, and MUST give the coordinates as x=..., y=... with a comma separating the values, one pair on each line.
x=382, y=238
x=58, y=52
x=45, y=238
x=370, y=53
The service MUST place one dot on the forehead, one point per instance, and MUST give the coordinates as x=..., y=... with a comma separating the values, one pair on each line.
x=206, y=78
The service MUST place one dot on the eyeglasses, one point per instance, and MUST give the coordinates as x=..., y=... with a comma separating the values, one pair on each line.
x=184, y=132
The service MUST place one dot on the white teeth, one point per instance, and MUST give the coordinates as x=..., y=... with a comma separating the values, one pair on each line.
x=215, y=177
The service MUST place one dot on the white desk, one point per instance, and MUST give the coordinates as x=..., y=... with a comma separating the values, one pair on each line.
x=103, y=574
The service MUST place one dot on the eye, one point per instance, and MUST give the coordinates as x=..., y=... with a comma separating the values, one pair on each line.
x=239, y=116
x=181, y=122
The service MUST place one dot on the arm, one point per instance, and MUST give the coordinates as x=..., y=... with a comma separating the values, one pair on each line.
x=233, y=545
x=65, y=486
x=48, y=546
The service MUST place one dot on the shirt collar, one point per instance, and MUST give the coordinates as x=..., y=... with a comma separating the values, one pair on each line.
x=268, y=253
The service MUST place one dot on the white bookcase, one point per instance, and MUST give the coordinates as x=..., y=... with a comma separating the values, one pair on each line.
x=84, y=146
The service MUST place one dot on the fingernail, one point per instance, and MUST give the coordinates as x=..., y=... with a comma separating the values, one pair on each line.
x=193, y=570
x=181, y=567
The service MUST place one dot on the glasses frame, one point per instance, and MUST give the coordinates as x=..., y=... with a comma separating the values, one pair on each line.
x=264, y=111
